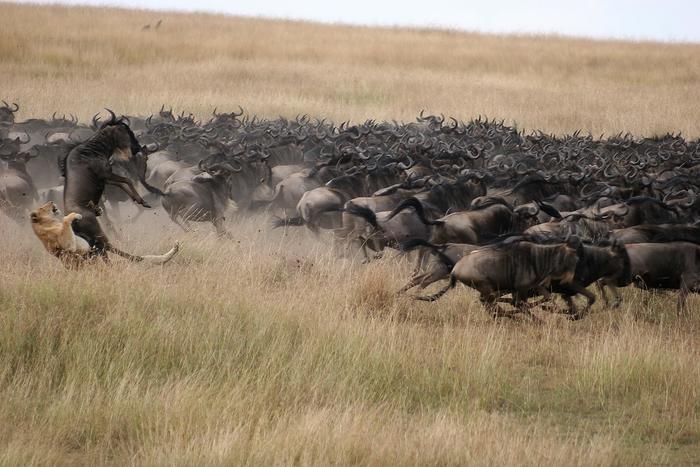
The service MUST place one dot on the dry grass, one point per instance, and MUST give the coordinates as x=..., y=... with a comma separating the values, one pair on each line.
x=81, y=60
x=268, y=349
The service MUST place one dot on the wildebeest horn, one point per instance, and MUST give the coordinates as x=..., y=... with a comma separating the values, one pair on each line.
x=238, y=114
x=230, y=168
x=692, y=197
x=112, y=116
x=10, y=108
x=53, y=117
x=96, y=120
x=403, y=166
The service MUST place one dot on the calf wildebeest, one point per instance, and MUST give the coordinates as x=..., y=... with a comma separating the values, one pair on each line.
x=659, y=266
x=87, y=170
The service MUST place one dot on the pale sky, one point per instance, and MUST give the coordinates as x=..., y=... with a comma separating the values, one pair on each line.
x=662, y=20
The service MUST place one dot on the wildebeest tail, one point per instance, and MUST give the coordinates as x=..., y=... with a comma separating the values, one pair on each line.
x=151, y=259
x=417, y=206
x=440, y=293
x=437, y=249
x=363, y=212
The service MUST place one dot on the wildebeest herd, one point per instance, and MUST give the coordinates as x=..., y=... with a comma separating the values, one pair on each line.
x=504, y=212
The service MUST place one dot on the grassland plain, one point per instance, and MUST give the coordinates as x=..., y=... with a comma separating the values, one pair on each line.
x=269, y=349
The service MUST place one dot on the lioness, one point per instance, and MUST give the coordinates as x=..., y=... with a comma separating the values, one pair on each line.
x=55, y=232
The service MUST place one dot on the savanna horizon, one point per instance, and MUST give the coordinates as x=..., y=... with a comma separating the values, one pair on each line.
x=268, y=348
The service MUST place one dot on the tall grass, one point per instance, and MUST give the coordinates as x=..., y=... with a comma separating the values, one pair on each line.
x=269, y=348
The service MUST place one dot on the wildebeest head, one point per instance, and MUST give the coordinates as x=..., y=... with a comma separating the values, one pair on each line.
x=7, y=113
x=525, y=216
x=9, y=147
x=125, y=144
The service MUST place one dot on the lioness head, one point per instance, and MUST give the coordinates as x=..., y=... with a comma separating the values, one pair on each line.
x=46, y=213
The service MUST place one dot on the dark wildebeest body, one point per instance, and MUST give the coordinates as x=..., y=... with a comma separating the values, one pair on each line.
x=518, y=268
x=664, y=266
x=492, y=218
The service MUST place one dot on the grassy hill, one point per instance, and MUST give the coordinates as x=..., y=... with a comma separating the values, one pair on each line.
x=269, y=349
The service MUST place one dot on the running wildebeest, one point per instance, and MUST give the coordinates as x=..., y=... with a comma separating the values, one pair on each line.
x=516, y=266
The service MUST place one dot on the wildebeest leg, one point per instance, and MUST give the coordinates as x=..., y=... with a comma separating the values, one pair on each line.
x=427, y=278
x=490, y=303
x=128, y=187
x=683, y=292
x=520, y=302
x=617, y=298
x=422, y=257
x=409, y=285
x=363, y=248
x=440, y=293
x=571, y=306
x=600, y=285
x=579, y=289
x=220, y=229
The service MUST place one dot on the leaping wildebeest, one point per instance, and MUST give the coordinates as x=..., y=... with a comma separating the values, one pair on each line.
x=87, y=169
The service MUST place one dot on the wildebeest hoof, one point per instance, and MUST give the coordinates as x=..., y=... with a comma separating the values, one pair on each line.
x=145, y=205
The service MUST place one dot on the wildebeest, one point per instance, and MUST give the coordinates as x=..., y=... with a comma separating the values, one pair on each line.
x=663, y=266
x=518, y=267
x=17, y=190
x=7, y=113
x=492, y=218
x=203, y=198
x=87, y=170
